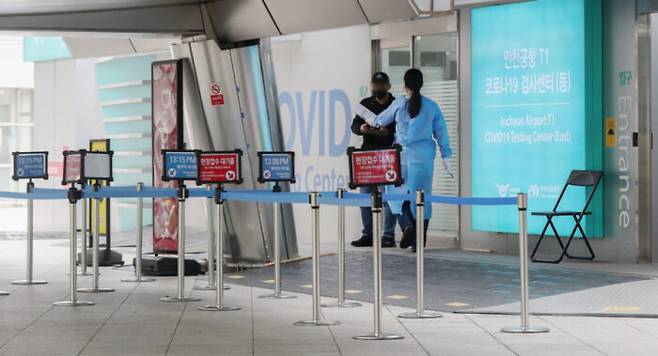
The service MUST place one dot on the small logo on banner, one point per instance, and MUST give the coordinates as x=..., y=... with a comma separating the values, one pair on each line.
x=230, y=175
x=172, y=172
x=19, y=172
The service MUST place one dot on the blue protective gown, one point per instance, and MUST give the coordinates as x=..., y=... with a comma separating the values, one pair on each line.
x=418, y=137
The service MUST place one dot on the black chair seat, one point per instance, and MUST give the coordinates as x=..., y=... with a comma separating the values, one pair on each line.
x=585, y=179
x=559, y=213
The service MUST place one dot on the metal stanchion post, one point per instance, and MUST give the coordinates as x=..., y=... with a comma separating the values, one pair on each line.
x=420, y=312
x=30, y=243
x=277, y=254
x=138, y=243
x=376, y=206
x=211, y=245
x=522, y=199
x=182, y=194
x=83, y=229
x=340, y=301
x=315, y=213
x=95, y=251
x=219, y=291
x=73, y=197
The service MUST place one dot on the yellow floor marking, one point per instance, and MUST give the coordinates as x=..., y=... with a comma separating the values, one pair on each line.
x=397, y=296
x=308, y=286
x=268, y=281
x=457, y=304
x=621, y=309
x=352, y=291
x=235, y=276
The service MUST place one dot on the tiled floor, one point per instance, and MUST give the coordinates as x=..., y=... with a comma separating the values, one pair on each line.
x=132, y=321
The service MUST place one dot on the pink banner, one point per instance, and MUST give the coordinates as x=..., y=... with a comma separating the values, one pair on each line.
x=167, y=131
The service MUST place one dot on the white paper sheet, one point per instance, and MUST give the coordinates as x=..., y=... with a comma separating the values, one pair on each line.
x=366, y=114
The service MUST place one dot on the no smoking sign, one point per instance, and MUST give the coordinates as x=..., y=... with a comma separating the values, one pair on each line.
x=216, y=95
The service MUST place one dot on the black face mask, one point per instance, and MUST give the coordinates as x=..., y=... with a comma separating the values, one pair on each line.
x=380, y=94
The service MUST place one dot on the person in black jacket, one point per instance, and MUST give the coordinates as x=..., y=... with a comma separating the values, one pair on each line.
x=376, y=138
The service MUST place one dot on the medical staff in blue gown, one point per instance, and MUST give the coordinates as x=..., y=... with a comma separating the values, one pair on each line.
x=419, y=128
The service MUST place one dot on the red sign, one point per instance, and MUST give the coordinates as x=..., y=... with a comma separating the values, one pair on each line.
x=218, y=167
x=72, y=169
x=375, y=167
x=216, y=95
x=167, y=127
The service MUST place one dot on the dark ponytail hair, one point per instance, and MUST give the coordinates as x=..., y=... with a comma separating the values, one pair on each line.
x=413, y=80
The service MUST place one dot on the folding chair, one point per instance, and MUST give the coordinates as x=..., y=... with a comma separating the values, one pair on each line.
x=577, y=178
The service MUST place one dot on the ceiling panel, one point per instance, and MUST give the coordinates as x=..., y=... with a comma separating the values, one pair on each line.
x=292, y=16
x=387, y=10
x=241, y=20
x=180, y=19
x=49, y=6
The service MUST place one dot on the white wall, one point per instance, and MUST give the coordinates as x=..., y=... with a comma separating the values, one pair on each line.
x=66, y=116
x=14, y=73
x=314, y=71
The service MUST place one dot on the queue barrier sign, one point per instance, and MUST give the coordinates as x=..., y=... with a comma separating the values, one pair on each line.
x=97, y=165
x=30, y=165
x=180, y=165
x=72, y=167
x=219, y=167
x=276, y=167
x=374, y=167
x=82, y=165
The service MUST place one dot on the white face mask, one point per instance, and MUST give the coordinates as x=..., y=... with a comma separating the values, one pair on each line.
x=407, y=92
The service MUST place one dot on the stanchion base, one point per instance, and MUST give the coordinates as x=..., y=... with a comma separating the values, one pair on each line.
x=381, y=336
x=179, y=300
x=25, y=282
x=341, y=305
x=423, y=315
x=82, y=274
x=525, y=330
x=316, y=323
x=277, y=296
x=142, y=279
x=209, y=287
x=218, y=308
x=68, y=303
x=95, y=290
x=4, y=293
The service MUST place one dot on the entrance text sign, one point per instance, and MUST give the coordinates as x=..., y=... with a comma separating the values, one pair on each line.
x=276, y=167
x=374, y=167
x=180, y=165
x=219, y=167
x=72, y=167
x=30, y=165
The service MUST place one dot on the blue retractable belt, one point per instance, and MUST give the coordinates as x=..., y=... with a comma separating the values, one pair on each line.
x=262, y=196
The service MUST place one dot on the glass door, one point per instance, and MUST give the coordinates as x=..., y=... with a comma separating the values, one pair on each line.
x=436, y=55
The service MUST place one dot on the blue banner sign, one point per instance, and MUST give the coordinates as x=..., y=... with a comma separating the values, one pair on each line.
x=276, y=167
x=29, y=165
x=534, y=116
x=179, y=165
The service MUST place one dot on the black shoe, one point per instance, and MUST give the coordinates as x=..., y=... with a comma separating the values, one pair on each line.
x=388, y=242
x=362, y=242
x=408, y=237
x=413, y=249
